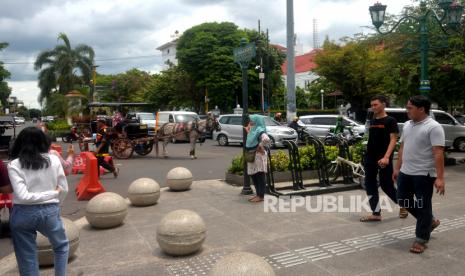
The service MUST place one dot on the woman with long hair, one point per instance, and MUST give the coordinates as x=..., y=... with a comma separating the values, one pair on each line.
x=39, y=185
x=257, y=140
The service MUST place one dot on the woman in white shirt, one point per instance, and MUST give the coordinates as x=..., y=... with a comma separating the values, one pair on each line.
x=39, y=185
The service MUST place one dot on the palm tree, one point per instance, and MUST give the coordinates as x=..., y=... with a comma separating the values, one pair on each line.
x=59, y=67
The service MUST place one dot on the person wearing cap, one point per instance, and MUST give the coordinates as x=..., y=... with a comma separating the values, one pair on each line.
x=294, y=124
x=102, y=144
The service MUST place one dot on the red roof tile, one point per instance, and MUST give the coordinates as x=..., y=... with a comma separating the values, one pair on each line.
x=303, y=63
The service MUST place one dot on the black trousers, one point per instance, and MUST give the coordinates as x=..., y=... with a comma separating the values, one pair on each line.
x=259, y=181
x=106, y=165
x=420, y=206
x=372, y=170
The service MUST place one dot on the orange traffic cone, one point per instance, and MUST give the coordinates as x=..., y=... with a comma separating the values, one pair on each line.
x=89, y=185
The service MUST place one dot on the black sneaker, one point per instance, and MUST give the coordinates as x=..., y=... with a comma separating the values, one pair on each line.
x=116, y=172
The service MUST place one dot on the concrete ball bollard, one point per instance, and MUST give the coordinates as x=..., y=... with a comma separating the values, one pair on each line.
x=44, y=248
x=144, y=192
x=242, y=264
x=181, y=232
x=179, y=179
x=106, y=210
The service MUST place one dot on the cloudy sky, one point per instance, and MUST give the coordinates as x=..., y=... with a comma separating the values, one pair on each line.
x=125, y=34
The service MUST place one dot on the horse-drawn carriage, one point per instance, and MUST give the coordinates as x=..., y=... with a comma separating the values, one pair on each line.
x=126, y=136
x=130, y=135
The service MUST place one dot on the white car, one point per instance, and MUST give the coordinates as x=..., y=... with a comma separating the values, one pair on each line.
x=20, y=120
x=320, y=125
x=147, y=118
x=231, y=131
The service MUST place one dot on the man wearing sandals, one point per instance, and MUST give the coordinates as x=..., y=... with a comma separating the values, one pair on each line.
x=420, y=167
x=382, y=139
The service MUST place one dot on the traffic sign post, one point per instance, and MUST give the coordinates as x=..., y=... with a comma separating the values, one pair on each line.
x=243, y=55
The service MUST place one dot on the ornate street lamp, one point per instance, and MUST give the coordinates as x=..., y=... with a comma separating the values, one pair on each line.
x=452, y=13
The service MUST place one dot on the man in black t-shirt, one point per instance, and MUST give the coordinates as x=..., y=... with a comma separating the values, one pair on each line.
x=382, y=139
x=103, y=144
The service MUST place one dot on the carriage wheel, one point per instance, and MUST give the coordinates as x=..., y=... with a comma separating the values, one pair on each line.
x=146, y=150
x=122, y=148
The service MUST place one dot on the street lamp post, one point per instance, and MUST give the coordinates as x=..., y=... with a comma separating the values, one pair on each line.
x=243, y=55
x=451, y=17
x=322, y=92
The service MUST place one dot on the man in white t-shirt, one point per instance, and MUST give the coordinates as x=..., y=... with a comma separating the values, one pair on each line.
x=420, y=166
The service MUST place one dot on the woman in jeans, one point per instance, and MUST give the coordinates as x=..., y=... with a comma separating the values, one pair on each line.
x=39, y=185
x=257, y=139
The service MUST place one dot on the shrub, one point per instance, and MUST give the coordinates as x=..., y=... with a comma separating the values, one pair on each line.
x=280, y=159
x=237, y=166
x=58, y=125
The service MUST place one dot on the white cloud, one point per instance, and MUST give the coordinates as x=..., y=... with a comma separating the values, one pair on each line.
x=27, y=91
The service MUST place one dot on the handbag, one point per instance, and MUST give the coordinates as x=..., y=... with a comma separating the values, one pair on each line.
x=250, y=155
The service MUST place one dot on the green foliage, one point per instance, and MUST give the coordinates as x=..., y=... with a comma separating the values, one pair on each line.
x=280, y=161
x=307, y=157
x=4, y=74
x=280, y=158
x=237, y=165
x=357, y=151
x=34, y=113
x=205, y=54
x=58, y=125
x=56, y=105
x=58, y=67
x=172, y=88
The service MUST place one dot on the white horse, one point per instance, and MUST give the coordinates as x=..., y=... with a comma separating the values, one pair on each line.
x=191, y=131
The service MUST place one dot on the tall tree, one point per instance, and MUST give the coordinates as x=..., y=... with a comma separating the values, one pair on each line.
x=124, y=87
x=205, y=53
x=359, y=69
x=4, y=74
x=59, y=67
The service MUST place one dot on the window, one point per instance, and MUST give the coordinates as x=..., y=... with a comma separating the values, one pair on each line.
x=163, y=117
x=443, y=119
x=224, y=120
x=346, y=123
x=306, y=121
x=146, y=116
x=270, y=122
x=329, y=121
x=171, y=119
x=186, y=117
x=235, y=120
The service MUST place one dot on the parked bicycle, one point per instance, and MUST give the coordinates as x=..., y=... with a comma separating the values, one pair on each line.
x=357, y=170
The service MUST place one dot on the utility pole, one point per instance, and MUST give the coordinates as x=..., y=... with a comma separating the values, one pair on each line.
x=269, y=70
x=291, y=102
x=92, y=87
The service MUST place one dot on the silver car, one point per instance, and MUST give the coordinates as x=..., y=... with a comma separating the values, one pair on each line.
x=320, y=125
x=231, y=131
x=453, y=129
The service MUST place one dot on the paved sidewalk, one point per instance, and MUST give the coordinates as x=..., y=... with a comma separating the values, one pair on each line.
x=299, y=243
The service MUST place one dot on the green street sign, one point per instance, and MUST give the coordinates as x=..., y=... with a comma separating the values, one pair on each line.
x=245, y=53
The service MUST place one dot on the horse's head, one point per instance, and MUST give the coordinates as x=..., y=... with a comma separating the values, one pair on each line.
x=213, y=124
